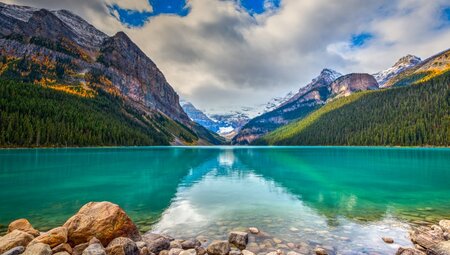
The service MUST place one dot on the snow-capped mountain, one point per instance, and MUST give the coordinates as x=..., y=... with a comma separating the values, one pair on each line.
x=307, y=99
x=402, y=64
x=277, y=101
x=220, y=123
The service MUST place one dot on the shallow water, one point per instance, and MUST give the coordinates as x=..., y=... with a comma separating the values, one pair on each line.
x=342, y=198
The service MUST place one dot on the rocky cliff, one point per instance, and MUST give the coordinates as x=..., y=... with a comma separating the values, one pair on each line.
x=351, y=83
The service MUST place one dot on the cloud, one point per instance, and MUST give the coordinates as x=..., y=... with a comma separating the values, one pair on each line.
x=220, y=56
x=135, y=5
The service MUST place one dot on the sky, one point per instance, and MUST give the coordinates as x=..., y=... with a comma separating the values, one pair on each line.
x=225, y=55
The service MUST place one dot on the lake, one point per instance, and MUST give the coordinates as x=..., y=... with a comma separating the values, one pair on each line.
x=343, y=198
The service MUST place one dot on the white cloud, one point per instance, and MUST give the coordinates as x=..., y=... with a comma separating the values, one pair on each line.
x=220, y=58
x=135, y=5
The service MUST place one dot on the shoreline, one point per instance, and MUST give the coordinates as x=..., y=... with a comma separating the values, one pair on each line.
x=104, y=228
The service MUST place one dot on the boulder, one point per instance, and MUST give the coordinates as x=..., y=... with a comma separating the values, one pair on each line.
x=445, y=225
x=218, y=248
x=388, y=240
x=156, y=243
x=409, y=251
x=253, y=230
x=23, y=225
x=94, y=249
x=63, y=247
x=14, y=239
x=442, y=248
x=190, y=244
x=189, y=252
x=103, y=220
x=53, y=237
x=15, y=251
x=78, y=250
x=38, y=249
x=122, y=246
x=239, y=239
x=427, y=237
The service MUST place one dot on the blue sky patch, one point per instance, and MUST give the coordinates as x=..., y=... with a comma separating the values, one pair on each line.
x=446, y=14
x=134, y=18
x=359, y=40
x=259, y=6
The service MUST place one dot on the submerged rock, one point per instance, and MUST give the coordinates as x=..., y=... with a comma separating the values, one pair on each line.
x=53, y=237
x=38, y=249
x=320, y=251
x=253, y=230
x=23, y=225
x=388, y=240
x=14, y=239
x=239, y=239
x=103, y=220
x=218, y=248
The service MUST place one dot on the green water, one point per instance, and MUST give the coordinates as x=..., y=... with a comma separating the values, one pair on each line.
x=343, y=198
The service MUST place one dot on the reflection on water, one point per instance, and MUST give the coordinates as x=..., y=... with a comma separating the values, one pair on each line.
x=343, y=198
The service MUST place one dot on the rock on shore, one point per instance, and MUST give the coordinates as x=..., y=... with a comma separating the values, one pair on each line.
x=103, y=228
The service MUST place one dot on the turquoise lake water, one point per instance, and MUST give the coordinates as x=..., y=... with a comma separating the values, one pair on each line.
x=342, y=198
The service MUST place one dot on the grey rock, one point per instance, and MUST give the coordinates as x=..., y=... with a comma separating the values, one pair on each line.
x=190, y=244
x=94, y=249
x=156, y=243
x=122, y=246
x=218, y=248
x=38, y=249
x=15, y=251
x=239, y=239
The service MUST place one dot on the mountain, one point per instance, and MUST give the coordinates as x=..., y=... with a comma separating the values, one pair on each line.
x=402, y=64
x=308, y=98
x=200, y=117
x=60, y=51
x=225, y=125
x=277, y=101
x=413, y=110
x=425, y=70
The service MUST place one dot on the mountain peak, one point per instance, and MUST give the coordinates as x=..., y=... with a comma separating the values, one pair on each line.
x=401, y=65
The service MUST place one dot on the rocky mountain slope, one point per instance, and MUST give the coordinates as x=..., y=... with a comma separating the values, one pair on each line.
x=299, y=105
x=401, y=65
x=351, y=83
x=61, y=51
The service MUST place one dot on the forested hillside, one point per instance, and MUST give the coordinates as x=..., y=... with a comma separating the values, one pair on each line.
x=415, y=115
x=33, y=116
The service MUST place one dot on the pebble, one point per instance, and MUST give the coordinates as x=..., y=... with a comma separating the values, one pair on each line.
x=388, y=240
